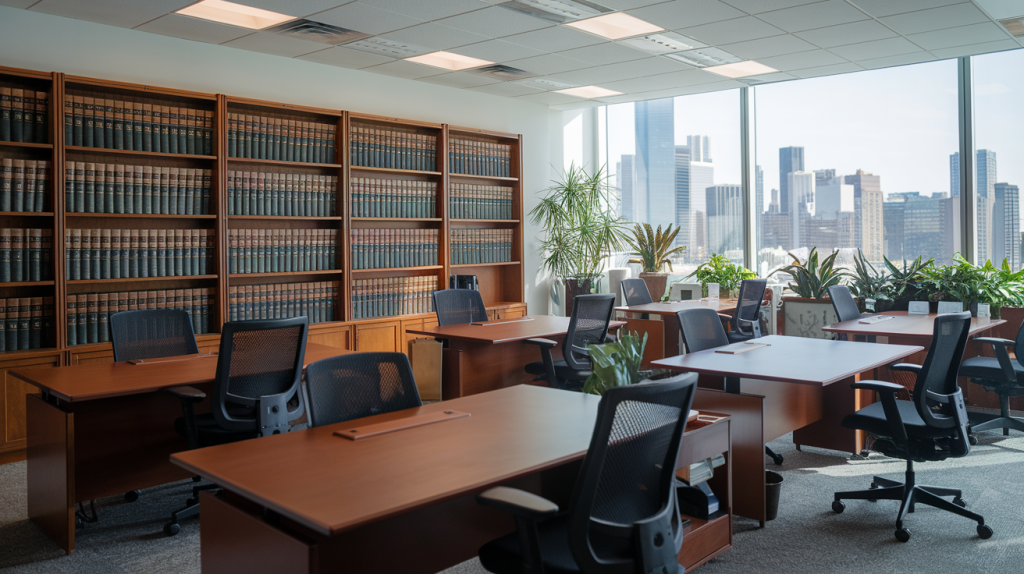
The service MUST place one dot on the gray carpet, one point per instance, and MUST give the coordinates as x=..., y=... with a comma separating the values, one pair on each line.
x=806, y=537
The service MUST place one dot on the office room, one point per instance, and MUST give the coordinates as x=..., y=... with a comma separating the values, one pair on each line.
x=467, y=286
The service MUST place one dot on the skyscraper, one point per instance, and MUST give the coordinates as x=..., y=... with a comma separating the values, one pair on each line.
x=986, y=170
x=1006, y=225
x=790, y=159
x=654, y=165
x=759, y=205
x=725, y=218
x=702, y=176
x=700, y=147
x=823, y=176
x=892, y=234
x=682, y=190
x=929, y=225
x=624, y=175
x=831, y=197
x=987, y=213
x=801, y=203
x=954, y=174
x=867, y=204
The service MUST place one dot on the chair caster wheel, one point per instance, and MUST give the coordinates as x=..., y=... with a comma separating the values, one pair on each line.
x=777, y=459
x=197, y=478
x=961, y=503
x=171, y=528
x=973, y=439
x=191, y=502
x=132, y=495
x=984, y=531
x=872, y=487
x=838, y=507
x=903, y=534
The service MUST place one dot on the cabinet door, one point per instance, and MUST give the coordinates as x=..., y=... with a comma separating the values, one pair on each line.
x=513, y=313
x=340, y=337
x=381, y=337
x=88, y=357
x=12, y=400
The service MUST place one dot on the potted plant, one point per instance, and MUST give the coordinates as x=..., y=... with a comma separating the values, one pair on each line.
x=579, y=230
x=719, y=269
x=653, y=250
x=616, y=364
x=811, y=308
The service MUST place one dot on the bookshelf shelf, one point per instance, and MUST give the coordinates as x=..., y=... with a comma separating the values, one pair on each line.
x=142, y=279
x=498, y=264
x=283, y=162
x=287, y=273
x=387, y=219
x=482, y=177
x=27, y=284
x=83, y=149
x=4, y=144
x=393, y=170
x=285, y=218
x=137, y=216
x=26, y=214
x=455, y=221
x=390, y=269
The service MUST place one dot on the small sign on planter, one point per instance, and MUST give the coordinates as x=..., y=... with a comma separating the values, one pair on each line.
x=950, y=307
x=917, y=308
x=984, y=310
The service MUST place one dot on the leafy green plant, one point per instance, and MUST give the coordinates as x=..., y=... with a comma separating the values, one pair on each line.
x=811, y=280
x=580, y=226
x=905, y=281
x=1011, y=284
x=866, y=282
x=616, y=364
x=719, y=269
x=653, y=248
x=996, y=287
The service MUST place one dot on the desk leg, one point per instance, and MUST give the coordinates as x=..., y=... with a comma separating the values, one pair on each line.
x=672, y=333
x=51, y=470
x=839, y=400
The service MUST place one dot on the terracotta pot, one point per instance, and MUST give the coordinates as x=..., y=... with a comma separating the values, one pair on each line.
x=574, y=287
x=656, y=284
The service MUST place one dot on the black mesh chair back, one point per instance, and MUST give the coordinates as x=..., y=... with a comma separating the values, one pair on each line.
x=748, y=307
x=259, y=362
x=702, y=329
x=459, y=306
x=359, y=385
x=634, y=292
x=940, y=369
x=628, y=476
x=588, y=325
x=151, y=334
x=844, y=303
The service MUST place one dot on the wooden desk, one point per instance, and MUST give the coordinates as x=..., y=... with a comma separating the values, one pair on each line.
x=398, y=502
x=663, y=334
x=104, y=428
x=480, y=358
x=794, y=385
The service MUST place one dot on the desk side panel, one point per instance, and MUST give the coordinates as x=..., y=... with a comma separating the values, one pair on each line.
x=51, y=471
x=233, y=540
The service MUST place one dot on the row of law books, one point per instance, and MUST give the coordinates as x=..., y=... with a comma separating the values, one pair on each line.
x=471, y=246
x=23, y=115
x=281, y=250
x=277, y=139
x=393, y=198
x=27, y=323
x=315, y=300
x=133, y=253
x=393, y=148
x=387, y=296
x=390, y=248
x=471, y=157
x=26, y=255
x=24, y=185
x=472, y=201
x=282, y=194
x=136, y=189
x=88, y=314
x=96, y=121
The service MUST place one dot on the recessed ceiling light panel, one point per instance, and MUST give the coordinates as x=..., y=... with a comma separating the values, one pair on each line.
x=704, y=57
x=557, y=11
x=318, y=32
x=615, y=26
x=501, y=72
x=448, y=61
x=662, y=43
x=385, y=47
x=234, y=14
x=589, y=92
x=741, y=69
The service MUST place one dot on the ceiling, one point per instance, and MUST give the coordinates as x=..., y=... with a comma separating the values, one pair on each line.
x=800, y=38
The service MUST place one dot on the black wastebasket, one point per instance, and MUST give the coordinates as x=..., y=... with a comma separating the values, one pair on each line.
x=772, y=486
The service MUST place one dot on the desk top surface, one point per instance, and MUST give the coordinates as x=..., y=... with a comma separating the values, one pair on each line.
x=793, y=360
x=104, y=380
x=505, y=331
x=905, y=325
x=331, y=484
x=673, y=307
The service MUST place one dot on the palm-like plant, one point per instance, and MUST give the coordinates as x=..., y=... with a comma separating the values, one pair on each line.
x=653, y=248
x=811, y=280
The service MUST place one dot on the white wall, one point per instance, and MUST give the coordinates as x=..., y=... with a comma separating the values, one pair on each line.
x=50, y=43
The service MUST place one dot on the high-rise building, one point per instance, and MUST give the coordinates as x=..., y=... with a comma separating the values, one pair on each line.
x=683, y=194
x=929, y=225
x=986, y=171
x=624, y=179
x=654, y=164
x=1006, y=225
x=868, y=222
x=759, y=204
x=725, y=217
x=827, y=233
x=892, y=234
x=954, y=174
x=790, y=159
x=777, y=230
x=702, y=176
x=831, y=197
x=773, y=205
x=801, y=203
x=822, y=176
x=700, y=147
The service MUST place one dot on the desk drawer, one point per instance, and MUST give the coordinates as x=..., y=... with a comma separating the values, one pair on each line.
x=706, y=541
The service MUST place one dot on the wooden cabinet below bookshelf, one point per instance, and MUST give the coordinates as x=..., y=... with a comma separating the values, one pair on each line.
x=12, y=395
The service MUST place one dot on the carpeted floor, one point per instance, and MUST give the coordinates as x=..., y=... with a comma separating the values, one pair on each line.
x=806, y=537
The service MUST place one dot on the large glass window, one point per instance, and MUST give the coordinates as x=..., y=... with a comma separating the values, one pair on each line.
x=998, y=129
x=863, y=160
x=676, y=161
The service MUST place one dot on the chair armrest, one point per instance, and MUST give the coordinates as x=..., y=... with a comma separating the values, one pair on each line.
x=190, y=394
x=517, y=502
x=547, y=343
x=887, y=394
x=909, y=367
x=1005, y=363
x=996, y=341
x=879, y=386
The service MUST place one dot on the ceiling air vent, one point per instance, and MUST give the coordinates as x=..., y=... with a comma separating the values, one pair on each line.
x=557, y=11
x=704, y=57
x=502, y=72
x=318, y=32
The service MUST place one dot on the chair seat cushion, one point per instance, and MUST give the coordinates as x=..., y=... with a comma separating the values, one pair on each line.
x=210, y=434
x=988, y=368
x=872, y=419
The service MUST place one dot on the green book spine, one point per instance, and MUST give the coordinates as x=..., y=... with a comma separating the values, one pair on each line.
x=95, y=254
x=35, y=255
x=261, y=128
x=5, y=122
x=150, y=238
x=194, y=254
x=89, y=119
x=6, y=184
x=165, y=190
x=103, y=317
x=86, y=255
x=138, y=127
x=115, y=254
x=161, y=253
x=109, y=187
x=173, y=127
x=78, y=110
x=188, y=196
x=118, y=142
x=150, y=127
x=93, y=318
x=183, y=238
x=165, y=130
x=90, y=188
x=129, y=125
x=28, y=116
x=125, y=253
x=5, y=256
x=11, y=327
x=173, y=191
x=71, y=316
x=24, y=319
x=208, y=133
x=133, y=251
x=190, y=131
x=69, y=120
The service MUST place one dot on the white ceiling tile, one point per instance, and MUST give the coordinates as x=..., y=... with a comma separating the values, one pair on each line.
x=880, y=8
x=767, y=78
x=297, y=8
x=961, y=36
x=827, y=70
x=659, y=82
x=548, y=64
x=555, y=39
x=435, y=36
x=843, y=34
x=550, y=98
x=686, y=13
x=598, y=75
x=578, y=105
x=495, y=22
x=687, y=90
x=654, y=65
x=18, y=3
x=1000, y=9
x=876, y=49
x=901, y=60
x=684, y=78
x=426, y=10
x=624, y=70
x=367, y=19
x=758, y=6
x=768, y=47
x=936, y=19
x=800, y=60
x=123, y=13
x=507, y=89
x=460, y=80
x=813, y=16
x=729, y=31
x=403, y=69
x=497, y=51
x=601, y=54
x=193, y=29
x=623, y=99
x=346, y=58
x=974, y=49
x=277, y=44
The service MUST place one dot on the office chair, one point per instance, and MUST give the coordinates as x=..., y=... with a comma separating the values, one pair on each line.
x=359, y=385
x=634, y=292
x=702, y=330
x=1001, y=375
x=846, y=310
x=459, y=306
x=745, y=321
x=588, y=325
x=259, y=368
x=622, y=514
x=931, y=427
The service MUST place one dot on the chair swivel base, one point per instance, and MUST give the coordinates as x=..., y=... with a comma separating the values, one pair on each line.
x=776, y=458
x=910, y=494
x=191, y=508
x=1007, y=423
